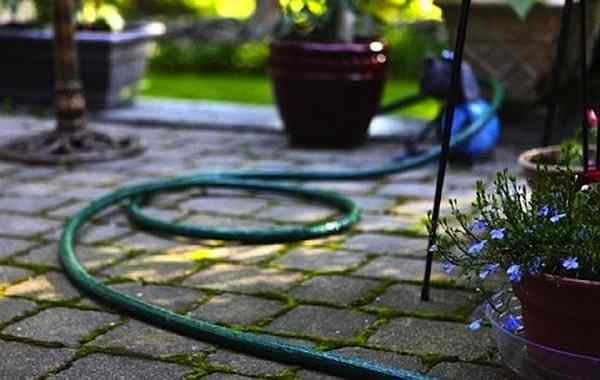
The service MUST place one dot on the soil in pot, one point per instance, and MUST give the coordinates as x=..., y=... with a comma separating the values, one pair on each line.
x=561, y=313
x=327, y=93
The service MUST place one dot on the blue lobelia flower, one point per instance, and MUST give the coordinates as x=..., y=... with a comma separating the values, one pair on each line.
x=570, y=263
x=556, y=218
x=448, y=268
x=545, y=211
x=475, y=325
x=514, y=273
x=535, y=267
x=479, y=227
x=488, y=269
x=512, y=324
x=497, y=233
x=477, y=247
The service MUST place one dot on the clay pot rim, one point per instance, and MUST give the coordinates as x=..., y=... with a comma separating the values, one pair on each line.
x=526, y=159
x=565, y=281
x=329, y=47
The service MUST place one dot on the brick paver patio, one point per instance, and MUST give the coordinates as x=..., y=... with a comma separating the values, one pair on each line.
x=357, y=294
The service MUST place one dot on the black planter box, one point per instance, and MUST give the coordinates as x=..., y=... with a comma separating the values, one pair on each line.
x=111, y=64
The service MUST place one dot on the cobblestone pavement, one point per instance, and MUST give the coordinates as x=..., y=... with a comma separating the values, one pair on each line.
x=357, y=294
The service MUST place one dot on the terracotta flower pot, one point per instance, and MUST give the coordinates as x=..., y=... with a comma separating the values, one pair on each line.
x=561, y=313
x=547, y=157
x=327, y=93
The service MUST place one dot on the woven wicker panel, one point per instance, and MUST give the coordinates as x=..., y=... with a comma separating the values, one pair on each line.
x=518, y=52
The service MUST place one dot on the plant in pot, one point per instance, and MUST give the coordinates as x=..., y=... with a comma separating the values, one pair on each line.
x=545, y=243
x=112, y=54
x=328, y=71
x=554, y=158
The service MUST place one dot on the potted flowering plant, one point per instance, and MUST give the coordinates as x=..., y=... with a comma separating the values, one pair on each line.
x=328, y=72
x=546, y=243
x=112, y=54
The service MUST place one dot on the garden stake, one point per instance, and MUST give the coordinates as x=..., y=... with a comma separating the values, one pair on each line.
x=584, y=89
x=448, y=119
x=559, y=60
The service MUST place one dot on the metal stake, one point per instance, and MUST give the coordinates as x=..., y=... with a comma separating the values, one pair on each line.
x=559, y=60
x=453, y=97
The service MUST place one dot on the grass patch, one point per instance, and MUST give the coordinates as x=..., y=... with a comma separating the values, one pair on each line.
x=257, y=90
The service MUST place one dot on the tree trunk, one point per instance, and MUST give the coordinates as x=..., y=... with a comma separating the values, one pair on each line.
x=70, y=103
x=265, y=16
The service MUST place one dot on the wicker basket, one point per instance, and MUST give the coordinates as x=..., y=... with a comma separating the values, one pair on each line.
x=518, y=52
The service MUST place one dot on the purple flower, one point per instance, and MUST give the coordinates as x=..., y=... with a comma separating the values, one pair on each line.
x=535, y=267
x=514, y=273
x=479, y=227
x=448, y=268
x=570, y=263
x=497, y=233
x=512, y=324
x=545, y=211
x=488, y=269
x=477, y=247
x=557, y=218
x=475, y=325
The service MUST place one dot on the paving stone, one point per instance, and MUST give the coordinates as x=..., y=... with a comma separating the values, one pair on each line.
x=297, y=214
x=399, y=269
x=322, y=322
x=23, y=226
x=92, y=258
x=41, y=189
x=420, y=336
x=452, y=371
x=390, y=359
x=9, y=247
x=230, y=277
x=23, y=361
x=60, y=324
x=95, y=177
x=385, y=223
x=170, y=297
x=243, y=253
x=320, y=259
x=224, y=205
x=337, y=290
x=154, y=268
x=248, y=365
x=51, y=286
x=138, y=337
x=305, y=374
x=46, y=256
x=67, y=210
x=11, y=308
x=226, y=376
x=146, y=242
x=386, y=244
x=94, y=234
x=9, y=275
x=373, y=204
x=412, y=190
x=407, y=298
x=236, y=309
x=226, y=221
x=29, y=205
x=102, y=366
x=85, y=193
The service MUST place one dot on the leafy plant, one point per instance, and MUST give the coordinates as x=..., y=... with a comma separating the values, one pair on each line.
x=324, y=21
x=553, y=229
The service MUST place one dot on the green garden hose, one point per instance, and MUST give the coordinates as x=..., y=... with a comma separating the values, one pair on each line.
x=270, y=348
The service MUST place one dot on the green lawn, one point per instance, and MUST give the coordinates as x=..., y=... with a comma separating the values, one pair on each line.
x=256, y=90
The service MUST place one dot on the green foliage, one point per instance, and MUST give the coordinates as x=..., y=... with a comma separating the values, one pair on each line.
x=530, y=231
x=571, y=150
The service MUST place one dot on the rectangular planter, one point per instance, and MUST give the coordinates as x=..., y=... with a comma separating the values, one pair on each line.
x=111, y=64
x=518, y=52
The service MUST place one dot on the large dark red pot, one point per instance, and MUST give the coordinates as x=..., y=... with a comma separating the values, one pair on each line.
x=327, y=93
x=561, y=313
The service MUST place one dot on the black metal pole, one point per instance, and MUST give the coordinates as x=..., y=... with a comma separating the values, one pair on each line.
x=584, y=84
x=559, y=60
x=453, y=96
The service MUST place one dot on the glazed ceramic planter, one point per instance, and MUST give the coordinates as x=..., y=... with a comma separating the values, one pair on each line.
x=111, y=64
x=561, y=313
x=327, y=93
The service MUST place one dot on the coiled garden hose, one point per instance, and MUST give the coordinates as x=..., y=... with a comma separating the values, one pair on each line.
x=270, y=348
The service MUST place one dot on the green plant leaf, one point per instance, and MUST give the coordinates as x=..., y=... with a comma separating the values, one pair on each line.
x=521, y=7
